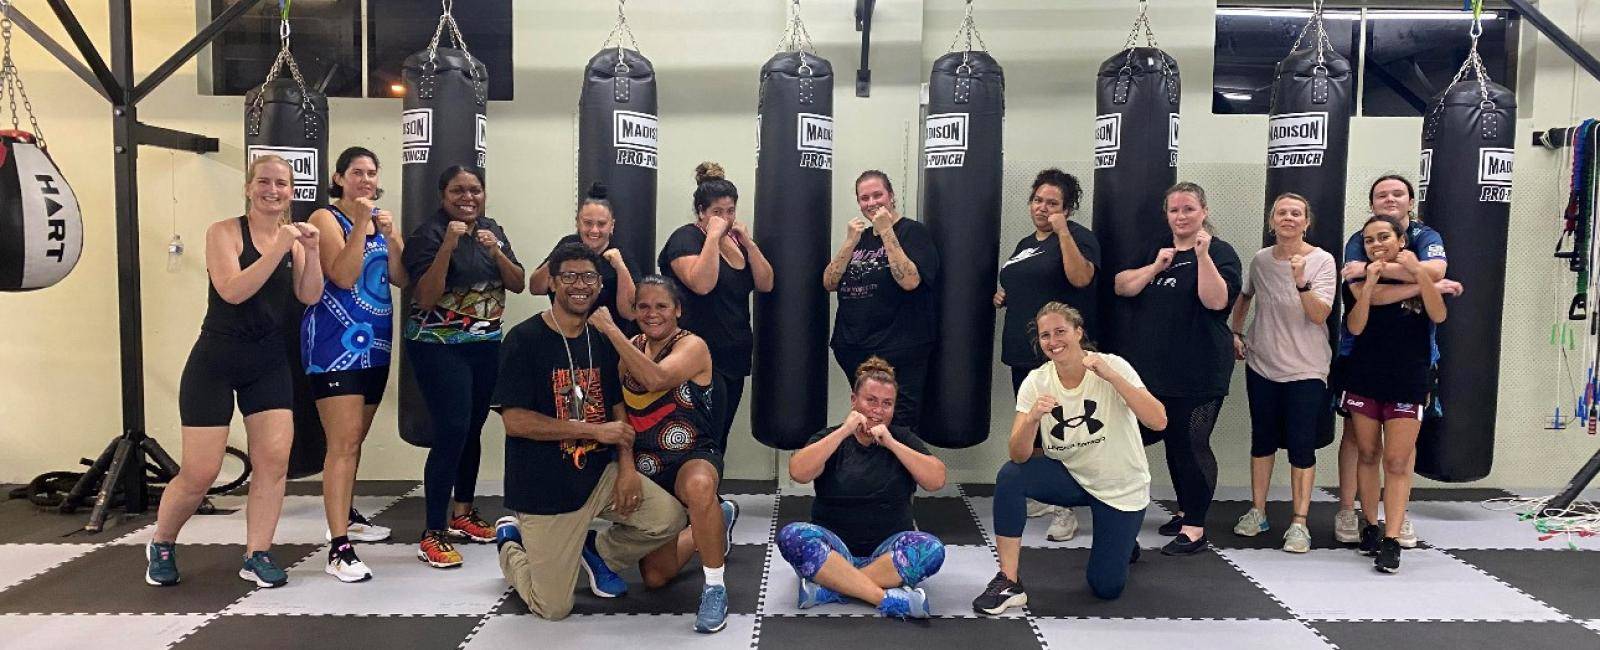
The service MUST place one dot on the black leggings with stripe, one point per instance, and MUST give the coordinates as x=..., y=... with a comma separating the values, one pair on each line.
x=1189, y=458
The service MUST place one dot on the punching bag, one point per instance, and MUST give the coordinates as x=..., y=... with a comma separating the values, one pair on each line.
x=1468, y=138
x=286, y=118
x=794, y=185
x=617, y=137
x=961, y=205
x=1308, y=149
x=1135, y=160
x=41, y=229
x=443, y=124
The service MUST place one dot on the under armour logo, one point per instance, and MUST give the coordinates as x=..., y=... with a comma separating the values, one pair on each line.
x=1063, y=423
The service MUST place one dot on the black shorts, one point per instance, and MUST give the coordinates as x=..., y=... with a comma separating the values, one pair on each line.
x=220, y=368
x=366, y=382
x=667, y=476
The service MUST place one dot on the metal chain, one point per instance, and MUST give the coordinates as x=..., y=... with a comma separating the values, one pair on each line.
x=447, y=18
x=1323, y=44
x=795, y=36
x=1475, y=63
x=966, y=32
x=617, y=31
x=11, y=81
x=284, y=59
x=1149, y=39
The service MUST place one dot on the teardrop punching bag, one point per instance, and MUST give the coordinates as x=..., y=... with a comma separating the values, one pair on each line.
x=617, y=138
x=794, y=185
x=1308, y=152
x=961, y=205
x=443, y=124
x=41, y=228
x=286, y=118
x=1135, y=161
x=1468, y=138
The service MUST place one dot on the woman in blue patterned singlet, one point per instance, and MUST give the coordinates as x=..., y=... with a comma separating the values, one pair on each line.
x=346, y=339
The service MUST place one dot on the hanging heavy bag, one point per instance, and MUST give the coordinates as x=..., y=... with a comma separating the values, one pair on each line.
x=1308, y=149
x=961, y=205
x=41, y=229
x=1135, y=161
x=617, y=144
x=1468, y=138
x=286, y=118
x=794, y=185
x=443, y=124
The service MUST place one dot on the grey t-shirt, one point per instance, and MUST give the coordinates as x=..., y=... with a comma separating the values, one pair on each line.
x=1281, y=344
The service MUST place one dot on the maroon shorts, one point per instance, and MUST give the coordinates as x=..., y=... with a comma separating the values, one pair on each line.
x=1380, y=411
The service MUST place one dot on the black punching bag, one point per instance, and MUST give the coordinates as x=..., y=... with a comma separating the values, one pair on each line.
x=443, y=124
x=285, y=118
x=1135, y=161
x=617, y=146
x=41, y=229
x=1308, y=150
x=794, y=185
x=1468, y=138
x=961, y=205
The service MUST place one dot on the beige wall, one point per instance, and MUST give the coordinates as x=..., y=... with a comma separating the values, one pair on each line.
x=58, y=365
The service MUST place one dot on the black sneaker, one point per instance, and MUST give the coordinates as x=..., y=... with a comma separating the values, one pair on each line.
x=1388, y=559
x=1370, y=535
x=1182, y=545
x=1172, y=527
x=1001, y=594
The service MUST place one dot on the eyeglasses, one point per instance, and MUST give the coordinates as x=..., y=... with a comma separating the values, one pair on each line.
x=570, y=277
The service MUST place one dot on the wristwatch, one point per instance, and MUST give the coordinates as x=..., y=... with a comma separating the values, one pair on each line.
x=1303, y=288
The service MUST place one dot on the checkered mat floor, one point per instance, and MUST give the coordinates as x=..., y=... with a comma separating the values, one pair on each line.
x=1481, y=579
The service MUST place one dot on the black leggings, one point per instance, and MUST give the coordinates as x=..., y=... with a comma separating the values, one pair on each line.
x=457, y=382
x=1189, y=458
x=726, y=393
x=910, y=372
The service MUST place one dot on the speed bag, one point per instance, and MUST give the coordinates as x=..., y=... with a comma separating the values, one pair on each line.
x=282, y=119
x=1308, y=150
x=961, y=205
x=794, y=185
x=1135, y=161
x=41, y=228
x=617, y=143
x=442, y=124
x=1465, y=194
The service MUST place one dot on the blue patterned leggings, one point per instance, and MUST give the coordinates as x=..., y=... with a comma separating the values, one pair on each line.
x=916, y=555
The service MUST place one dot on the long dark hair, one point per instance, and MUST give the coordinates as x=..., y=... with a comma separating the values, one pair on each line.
x=342, y=165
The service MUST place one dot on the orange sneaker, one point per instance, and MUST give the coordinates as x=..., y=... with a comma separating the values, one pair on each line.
x=437, y=551
x=471, y=526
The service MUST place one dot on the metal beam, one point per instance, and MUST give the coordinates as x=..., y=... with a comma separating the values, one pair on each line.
x=182, y=56
x=58, y=51
x=1547, y=27
x=125, y=157
x=156, y=136
x=864, y=9
x=113, y=90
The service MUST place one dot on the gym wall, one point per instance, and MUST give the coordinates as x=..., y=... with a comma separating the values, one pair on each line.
x=58, y=363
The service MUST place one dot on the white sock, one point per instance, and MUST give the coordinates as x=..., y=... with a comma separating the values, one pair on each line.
x=713, y=576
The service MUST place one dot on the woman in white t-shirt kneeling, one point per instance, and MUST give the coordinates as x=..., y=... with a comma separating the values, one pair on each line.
x=1087, y=408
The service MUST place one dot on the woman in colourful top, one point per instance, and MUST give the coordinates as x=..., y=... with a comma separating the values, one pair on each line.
x=453, y=336
x=345, y=343
x=666, y=391
x=1386, y=383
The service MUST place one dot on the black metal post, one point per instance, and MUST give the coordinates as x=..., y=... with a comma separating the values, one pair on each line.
x=1545, y=26
x=864, y=10
x=125, y=154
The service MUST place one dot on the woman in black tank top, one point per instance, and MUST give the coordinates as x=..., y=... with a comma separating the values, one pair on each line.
x=263, y=272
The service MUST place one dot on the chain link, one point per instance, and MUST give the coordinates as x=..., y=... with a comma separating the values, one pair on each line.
x=1143, y=19
x=965, y=33
x=1323, y=44
x=795, y=36
x=11, y=80
x=615, y=37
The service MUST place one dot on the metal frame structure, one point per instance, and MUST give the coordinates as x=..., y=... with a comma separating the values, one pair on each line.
x=122, y=464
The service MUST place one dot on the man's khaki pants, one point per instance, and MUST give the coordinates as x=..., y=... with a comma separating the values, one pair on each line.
x=544, y=569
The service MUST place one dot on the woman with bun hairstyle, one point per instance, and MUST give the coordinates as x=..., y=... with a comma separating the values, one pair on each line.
x=347, y=340
x=718, y=262
x=596, y=222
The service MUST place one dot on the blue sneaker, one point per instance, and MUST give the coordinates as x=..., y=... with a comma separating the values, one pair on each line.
x=903, y=603
x=713, y=610
x=163, y=569
x=505, y=530
x=730, y=514
x=813, y=594
x=604, y=582
x=260, y=569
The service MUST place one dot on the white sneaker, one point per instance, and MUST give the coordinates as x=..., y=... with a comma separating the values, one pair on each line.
x=1063, y=525
x=1408, y=537
x=1347, y=527
x=345, y=566
x=1037, y=509
x=1253, y=522
x=1297, y=539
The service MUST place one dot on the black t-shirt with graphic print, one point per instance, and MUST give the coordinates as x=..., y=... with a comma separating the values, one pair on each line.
x=1034, y=275
x=555, y=477
x=874, y=312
